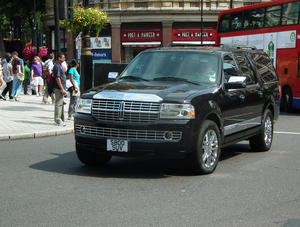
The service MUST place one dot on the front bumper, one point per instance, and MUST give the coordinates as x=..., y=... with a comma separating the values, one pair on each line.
x=92, y=134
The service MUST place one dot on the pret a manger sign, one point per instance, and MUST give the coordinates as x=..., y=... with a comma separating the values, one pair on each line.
x=141, y=35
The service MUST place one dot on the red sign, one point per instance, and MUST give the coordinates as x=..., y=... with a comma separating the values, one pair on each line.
x=141, y=35
x=193, y=35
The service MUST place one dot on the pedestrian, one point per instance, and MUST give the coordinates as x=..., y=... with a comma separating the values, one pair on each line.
x=36, y=75
x=26, y=81
x=59, y=90
x=7, y=76
x=15, y=56
x=1, y=74
x=17, y=85
x=74, y=78
x=48, y=66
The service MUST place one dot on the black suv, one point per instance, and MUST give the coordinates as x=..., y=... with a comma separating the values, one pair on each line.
x=189, y=101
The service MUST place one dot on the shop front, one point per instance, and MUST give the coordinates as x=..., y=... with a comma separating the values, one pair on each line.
x=135, y=41
x=193, y=36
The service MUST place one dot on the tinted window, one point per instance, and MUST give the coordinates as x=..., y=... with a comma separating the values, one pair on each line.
x=290, y=13
x=245, y=68
x=224, y=25
x=254, y=18
x=273, y=16
x=237, y=21
x=264, y=67
x=229, y=67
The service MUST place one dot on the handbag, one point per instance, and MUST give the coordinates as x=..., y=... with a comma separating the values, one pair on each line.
x=20, y=75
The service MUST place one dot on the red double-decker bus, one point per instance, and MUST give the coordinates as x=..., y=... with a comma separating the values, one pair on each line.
x=273, y=27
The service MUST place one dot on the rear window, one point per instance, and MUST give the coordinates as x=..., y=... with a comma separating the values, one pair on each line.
x=264, y=67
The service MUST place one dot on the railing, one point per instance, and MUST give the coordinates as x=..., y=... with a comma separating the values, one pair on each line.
x=164, y=4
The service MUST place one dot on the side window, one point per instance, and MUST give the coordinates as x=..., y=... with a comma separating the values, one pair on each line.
x=245, y=68
x=229, y=67
x=237, y=21
x=290, y=13
x=224, y=25
x=273, y=16
x=264, y=67
x=254, y=18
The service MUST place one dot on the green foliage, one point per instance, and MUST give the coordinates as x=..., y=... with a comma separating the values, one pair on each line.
x=23, y=9
x=88, y=19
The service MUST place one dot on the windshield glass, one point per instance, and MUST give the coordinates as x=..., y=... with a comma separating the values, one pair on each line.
x=185, y=66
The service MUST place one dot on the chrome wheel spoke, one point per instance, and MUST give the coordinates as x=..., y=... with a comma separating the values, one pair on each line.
x=210, y=148
x=268, y=131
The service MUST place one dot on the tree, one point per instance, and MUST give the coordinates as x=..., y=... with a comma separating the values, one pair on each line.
x=88, y=19
x=17, y=18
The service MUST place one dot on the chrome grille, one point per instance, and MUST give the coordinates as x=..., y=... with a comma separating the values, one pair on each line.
x=128, y=134
x=129, y=111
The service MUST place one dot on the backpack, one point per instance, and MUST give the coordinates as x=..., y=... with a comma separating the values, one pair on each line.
x=45, y=72
x=51, y=84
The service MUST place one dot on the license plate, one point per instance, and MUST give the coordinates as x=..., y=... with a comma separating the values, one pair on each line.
x=117, y=145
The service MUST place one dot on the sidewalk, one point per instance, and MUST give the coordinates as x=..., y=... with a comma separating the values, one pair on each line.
x=29, y=118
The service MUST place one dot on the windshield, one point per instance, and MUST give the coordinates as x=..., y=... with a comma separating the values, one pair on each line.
x=185, y=66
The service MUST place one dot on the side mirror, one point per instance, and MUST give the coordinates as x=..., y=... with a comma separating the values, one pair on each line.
x=112, y=76
x=236, y=82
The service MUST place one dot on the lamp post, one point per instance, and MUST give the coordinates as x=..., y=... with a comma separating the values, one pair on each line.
x=231, y=4
x=86, y=59
x=56, y=32
x=201, y=14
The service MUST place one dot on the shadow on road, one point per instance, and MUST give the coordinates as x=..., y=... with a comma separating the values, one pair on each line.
x=140, y=167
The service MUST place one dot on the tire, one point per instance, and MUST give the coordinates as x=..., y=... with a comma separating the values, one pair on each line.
x=208, y=148
x=286, y=100
x=91, y=159
x=263, y=141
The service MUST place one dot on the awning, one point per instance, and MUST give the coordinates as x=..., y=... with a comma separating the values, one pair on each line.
x=141, y=44
x=194, y=42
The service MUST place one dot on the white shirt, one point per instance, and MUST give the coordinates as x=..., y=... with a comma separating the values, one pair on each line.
x=64, y=66
x=50, y=64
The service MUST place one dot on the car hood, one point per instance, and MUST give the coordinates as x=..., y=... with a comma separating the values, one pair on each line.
x=148, y=91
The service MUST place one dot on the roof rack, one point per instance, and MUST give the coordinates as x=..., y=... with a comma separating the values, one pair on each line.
x=192, y=45
x=223, y=46
x=242, y=47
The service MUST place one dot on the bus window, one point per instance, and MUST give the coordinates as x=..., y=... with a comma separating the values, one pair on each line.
x=224, y=25
x=272, y=16
x=290, y=13
x=254, y=18
x=236, y=21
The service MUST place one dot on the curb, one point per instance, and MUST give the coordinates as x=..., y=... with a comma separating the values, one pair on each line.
x=36, y=134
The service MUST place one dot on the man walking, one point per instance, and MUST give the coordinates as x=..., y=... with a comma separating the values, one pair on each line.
x=59, y=90
x=7, y=76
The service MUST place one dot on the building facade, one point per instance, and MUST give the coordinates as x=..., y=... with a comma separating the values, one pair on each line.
x=140, y=24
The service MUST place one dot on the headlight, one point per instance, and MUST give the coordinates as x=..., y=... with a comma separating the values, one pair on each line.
x=177, y=111
x=84, y=106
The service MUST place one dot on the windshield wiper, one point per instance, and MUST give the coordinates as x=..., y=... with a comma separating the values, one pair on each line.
x=133, y=78
x=170, y=78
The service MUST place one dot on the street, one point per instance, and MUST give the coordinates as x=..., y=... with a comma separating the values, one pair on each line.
x=44, y=184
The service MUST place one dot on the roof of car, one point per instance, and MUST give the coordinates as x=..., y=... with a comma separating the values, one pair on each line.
x=216, y=49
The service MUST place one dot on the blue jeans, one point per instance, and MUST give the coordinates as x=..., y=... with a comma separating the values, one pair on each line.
x=17, y=88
